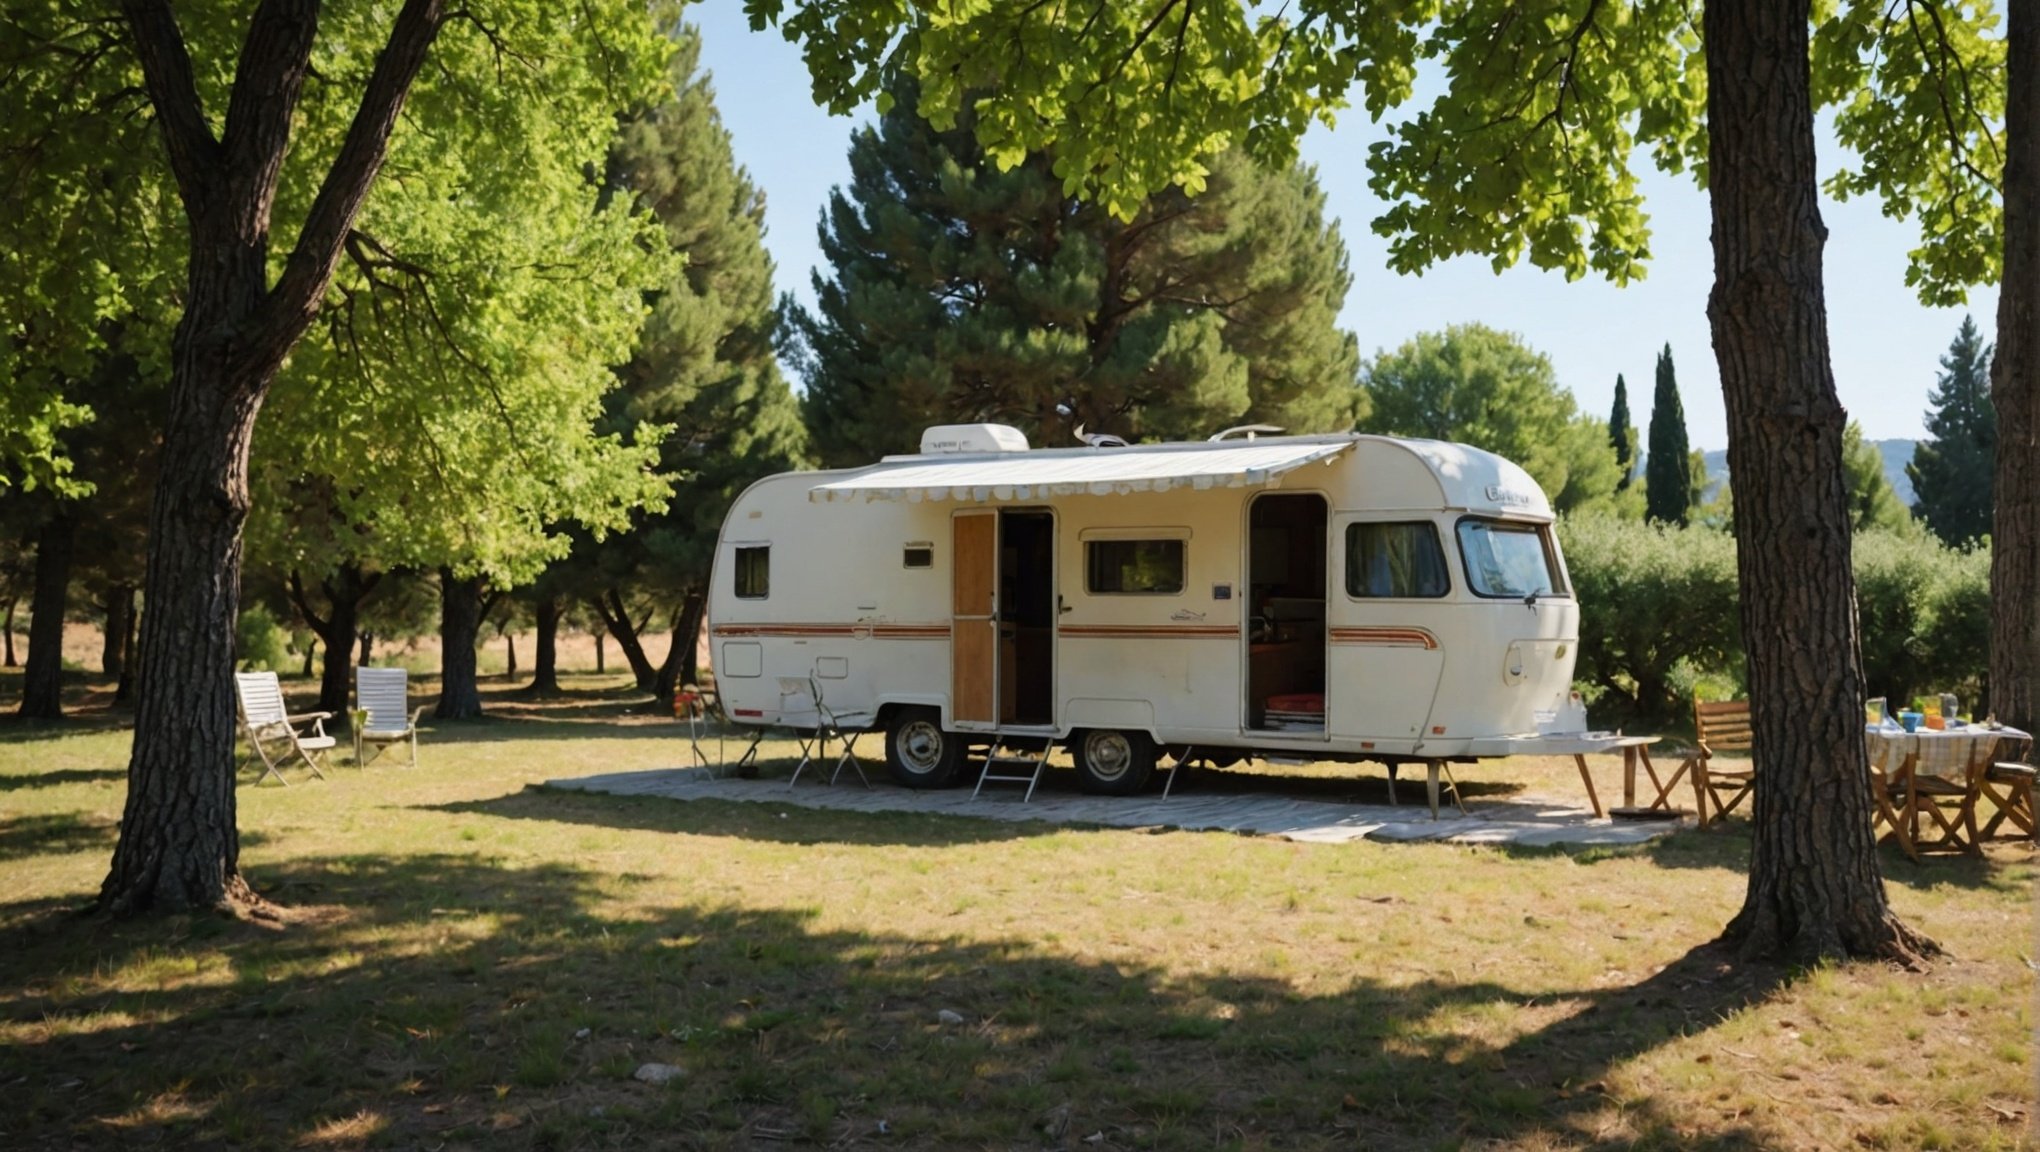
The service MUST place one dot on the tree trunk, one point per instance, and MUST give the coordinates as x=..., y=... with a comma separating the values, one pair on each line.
x=179, y=847
x=460, y=629
x=7, y=634
x=616, y=618
x=124, y=690
x=545, y=671
x=345, y=591
x=601, y=641
x=680, y=666
x=2015, y=392
x=1814, y=888
x=367, y=647
x=119, y=607
x=509, y=655
x=42, y=685
x=311, y=656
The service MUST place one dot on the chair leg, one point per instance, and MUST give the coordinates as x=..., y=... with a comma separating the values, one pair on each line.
x=269, y=766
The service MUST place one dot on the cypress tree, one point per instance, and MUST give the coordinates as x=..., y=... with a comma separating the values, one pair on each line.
x=1668, y=469
x=961, y=292
x=1621, y=435
x=1952, y=471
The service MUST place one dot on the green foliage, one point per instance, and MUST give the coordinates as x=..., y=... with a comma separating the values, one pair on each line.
x=1479, y=386
x=1658, y=615
x=1919, y=92
x=965, y=292
x=1873, y=503
x=704, y=365
x=1953, y=471
x=1668, y=470
x=1657, y=609
x=1924, y=615
x=260, y=643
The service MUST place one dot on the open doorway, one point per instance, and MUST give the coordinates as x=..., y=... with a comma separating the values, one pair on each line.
x=1286, y=549
x=1027, y=612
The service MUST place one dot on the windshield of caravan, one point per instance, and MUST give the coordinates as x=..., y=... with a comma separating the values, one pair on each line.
x=1508, y=559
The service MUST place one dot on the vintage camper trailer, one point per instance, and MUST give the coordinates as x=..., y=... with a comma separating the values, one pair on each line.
x=1337, y=597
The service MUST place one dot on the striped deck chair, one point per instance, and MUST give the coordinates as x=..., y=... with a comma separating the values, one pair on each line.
x=381, y=696
x=269, y=726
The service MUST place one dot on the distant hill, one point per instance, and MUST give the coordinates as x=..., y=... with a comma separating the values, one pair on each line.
x=1897, y=454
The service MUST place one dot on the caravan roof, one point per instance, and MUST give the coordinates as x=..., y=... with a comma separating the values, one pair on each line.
x=1466, y=477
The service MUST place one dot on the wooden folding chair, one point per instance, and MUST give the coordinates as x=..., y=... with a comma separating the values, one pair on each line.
x=1891, y=802
x=1942, y=810
x=1722, y=726
x=2009, y=788
x=268, y=723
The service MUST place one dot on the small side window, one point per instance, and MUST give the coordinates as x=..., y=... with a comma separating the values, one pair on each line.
x=916, y=556
x=754, y=572
x=1401, y=560
x=1142, y=567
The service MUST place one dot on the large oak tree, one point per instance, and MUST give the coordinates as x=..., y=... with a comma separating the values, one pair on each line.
x=272, y=173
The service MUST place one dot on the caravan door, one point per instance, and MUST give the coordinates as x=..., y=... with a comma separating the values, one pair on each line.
x=974, y=621
x=1390, y=614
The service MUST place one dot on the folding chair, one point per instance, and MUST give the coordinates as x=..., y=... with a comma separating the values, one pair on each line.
x=830, y=724
x=1948, y=806
x=1888, y=795
x=266, y=721
x=697, y=706
x=2008, y=785
x=1723, y=726
x=379, y=719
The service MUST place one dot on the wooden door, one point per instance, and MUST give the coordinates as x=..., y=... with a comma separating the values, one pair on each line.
x=974, y=621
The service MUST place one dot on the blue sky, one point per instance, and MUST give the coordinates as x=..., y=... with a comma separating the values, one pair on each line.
x=1886, y=345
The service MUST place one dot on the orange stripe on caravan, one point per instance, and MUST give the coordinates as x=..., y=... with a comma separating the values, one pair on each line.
x=1386, y=637
x=881, y=631
x=1148, y=632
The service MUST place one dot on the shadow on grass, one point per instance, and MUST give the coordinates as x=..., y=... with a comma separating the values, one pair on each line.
x=54, y=834
x=752, y=820
x=1727, y=846
x=443, y=999
x=60, y=777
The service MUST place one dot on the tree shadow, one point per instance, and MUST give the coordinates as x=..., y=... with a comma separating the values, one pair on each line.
x=444, y=999
x=1727, y=846
x=60, y=777
x=54, y=834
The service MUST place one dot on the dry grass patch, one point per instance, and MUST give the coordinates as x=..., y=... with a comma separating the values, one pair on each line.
x=486, y=965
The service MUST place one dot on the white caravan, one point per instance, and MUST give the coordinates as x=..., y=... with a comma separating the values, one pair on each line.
x=1338, y=597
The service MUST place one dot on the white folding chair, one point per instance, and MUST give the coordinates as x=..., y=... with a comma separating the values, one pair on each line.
x=267, y=722
x=380, y=698
x=842, y=727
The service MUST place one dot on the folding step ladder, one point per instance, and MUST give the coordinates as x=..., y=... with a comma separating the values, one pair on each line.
x=1015, y=766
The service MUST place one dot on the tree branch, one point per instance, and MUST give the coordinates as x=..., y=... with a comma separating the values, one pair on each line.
x=166, y=69
x=292, y=303
x=268, y=79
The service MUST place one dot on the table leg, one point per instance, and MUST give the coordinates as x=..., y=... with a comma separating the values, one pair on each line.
x=1431, y=786
x=1587, y=778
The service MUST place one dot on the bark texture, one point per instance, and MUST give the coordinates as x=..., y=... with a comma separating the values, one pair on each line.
x=42, y=683
x=545, y=659
x=179, y=847
x=1814, y=888
x=460, y=628
x=2015, y=392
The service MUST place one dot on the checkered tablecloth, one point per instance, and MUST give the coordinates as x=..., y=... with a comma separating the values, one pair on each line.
x=1945, y=753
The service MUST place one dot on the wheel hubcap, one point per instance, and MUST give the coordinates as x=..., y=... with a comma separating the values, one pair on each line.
x=1108, y=755
x=921, y=746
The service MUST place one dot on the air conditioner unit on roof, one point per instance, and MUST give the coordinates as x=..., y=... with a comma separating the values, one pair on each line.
x=956, y=438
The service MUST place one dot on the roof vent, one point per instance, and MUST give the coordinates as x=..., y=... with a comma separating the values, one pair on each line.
x=945, y=439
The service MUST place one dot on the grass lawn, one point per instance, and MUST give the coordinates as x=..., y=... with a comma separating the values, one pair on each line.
x=470, y=962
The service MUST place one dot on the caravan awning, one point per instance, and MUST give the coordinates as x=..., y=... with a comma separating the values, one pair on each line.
x=1079, y=472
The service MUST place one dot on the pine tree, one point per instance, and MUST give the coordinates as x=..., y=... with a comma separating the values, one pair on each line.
x=1622, y=436
x=704, y=367
x=961, y=292
x=1952, y=470
x=1668, y=469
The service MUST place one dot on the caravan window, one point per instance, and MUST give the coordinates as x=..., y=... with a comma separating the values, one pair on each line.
x=1508, y=559
x=1395, y=560
x=754, y=572
x=1134, y=566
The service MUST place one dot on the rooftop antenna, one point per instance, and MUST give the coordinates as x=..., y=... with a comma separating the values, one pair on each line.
x=1250, y=430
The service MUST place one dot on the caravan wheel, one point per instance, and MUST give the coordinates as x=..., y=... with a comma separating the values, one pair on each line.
x=1115, y=763
x=919, y=753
